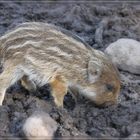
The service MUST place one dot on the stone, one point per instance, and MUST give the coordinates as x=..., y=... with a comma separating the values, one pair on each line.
x=125, y=54
x=39, y=126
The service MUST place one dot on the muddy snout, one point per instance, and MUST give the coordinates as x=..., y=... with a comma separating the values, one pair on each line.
x=106, y=104
x=111, y=103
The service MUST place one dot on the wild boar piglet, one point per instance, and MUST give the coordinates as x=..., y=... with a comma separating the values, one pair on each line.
x=40, y=53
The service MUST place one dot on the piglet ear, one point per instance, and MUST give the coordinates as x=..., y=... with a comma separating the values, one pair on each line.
x=94, y=71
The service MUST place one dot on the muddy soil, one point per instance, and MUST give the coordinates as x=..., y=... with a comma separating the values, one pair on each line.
x=99, y=24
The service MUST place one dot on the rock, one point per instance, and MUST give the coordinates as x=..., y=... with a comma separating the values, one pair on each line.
x=39, y=125
x=125, y=54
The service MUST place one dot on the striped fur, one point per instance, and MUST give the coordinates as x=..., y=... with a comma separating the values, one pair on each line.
x=39, y=53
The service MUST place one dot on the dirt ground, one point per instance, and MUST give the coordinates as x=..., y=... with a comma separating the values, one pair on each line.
x=99, y=24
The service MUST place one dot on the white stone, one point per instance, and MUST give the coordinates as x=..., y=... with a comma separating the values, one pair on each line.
x=125, y=54
x=39, y=126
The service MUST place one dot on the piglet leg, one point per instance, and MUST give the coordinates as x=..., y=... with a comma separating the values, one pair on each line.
x=8, y=77
x=58, y=89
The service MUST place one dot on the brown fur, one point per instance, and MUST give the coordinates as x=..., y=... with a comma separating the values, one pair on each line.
x=40, y=53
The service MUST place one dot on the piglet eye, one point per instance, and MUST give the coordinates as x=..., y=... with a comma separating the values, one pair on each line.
x=109, y=87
